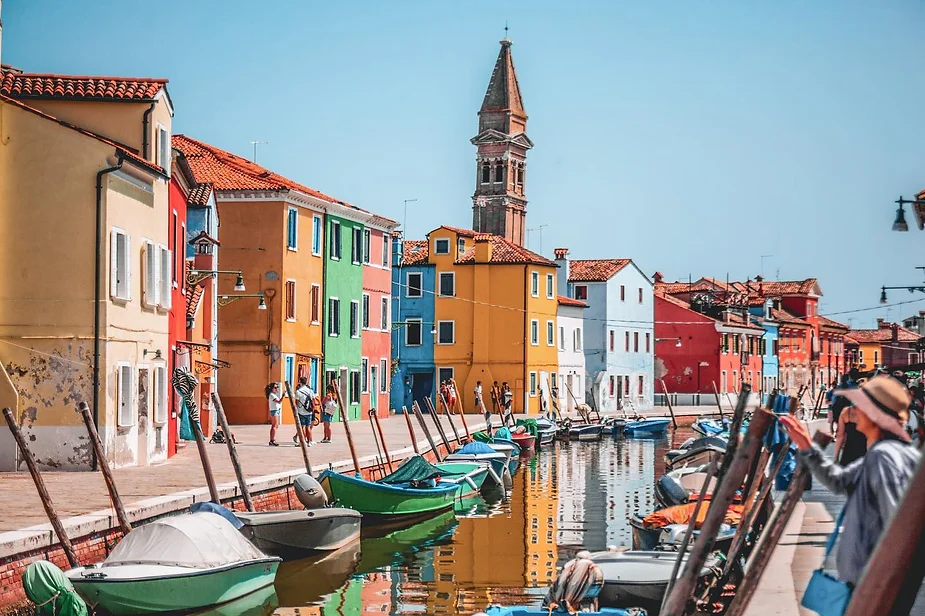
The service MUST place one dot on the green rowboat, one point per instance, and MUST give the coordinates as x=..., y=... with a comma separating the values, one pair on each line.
x=388, y=500
x=469, y=476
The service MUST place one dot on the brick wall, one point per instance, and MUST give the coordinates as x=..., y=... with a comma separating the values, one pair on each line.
x=96, y=547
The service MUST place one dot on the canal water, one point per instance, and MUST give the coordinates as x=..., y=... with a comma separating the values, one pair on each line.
x=503, y=548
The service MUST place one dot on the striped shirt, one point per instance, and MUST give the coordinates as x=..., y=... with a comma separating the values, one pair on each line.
x=875, y=485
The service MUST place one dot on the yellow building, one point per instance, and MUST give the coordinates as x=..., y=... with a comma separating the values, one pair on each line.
x=495, y=315
x=86, y=281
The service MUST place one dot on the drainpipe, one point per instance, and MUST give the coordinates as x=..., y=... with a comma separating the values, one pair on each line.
x=526, y=339
x=144, y=131
x=323, y=305
x=97, y=288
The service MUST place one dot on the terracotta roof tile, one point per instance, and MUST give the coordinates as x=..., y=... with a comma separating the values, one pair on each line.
x=568, y=301
x=506, y=252
x=193, y=297
x=415, y=252
x=595, y=270
x=785, y=287
x=227, y=171
x=460, y=231
x=782, y=316
x=124, y=150
x=37, y=85
x=200, y=194
x=884, y=334
x=824, y=322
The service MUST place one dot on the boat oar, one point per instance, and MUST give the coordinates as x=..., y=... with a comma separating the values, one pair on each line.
x=459, y=409
x=339, y=383
x=414, y=440
x=232, y=450
x=298, y=429
x=44, y=496
x=436, y=420
x=430, y=439
x=674, y=421
x=374, y=416
x=84, y=411
x=691, y=525
x=449, y=418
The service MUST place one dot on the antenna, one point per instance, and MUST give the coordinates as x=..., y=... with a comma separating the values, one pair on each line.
x=255, y=144
x=505, y=28
x=540, y=229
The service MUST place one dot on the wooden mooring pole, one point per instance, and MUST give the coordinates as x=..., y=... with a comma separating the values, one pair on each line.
x=677, y=602
x=343, y=417
x=449, y=418
x=300, y=436
x=124, y=524
x=459, y=409
x=735, y=428
x=436, y=419
x=204, y=458
x=430, y=439
x=674, y=421
x=719, y=404
x=385, y=450
x=44, y=496
x=414, y=440
x=232, y=450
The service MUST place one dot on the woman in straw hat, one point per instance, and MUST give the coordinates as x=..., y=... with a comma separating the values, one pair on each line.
x=875, y=483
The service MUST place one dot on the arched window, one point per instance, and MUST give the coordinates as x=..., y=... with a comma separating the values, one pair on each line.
x=499, y=172
x=486, y=172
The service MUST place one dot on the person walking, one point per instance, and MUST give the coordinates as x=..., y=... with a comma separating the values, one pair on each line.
x=304, y=398
x=874, y=483
x=276, y=410
x=850, y=444
x=479, y=404
x=328, y=408
x=451, y=396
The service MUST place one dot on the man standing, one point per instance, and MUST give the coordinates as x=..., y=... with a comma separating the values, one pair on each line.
x=304, y=397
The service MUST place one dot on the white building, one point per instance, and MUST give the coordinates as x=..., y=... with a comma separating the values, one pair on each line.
x=572, y=375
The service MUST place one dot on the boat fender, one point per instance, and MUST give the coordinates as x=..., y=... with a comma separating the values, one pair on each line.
x=309, y=492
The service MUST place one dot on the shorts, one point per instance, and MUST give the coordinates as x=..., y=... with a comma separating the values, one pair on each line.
x=278, y=413
x=326, y=417
x=478, y=401
x=305, y=420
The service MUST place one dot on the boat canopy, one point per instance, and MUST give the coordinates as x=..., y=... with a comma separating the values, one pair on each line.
x=196, y=540
x=415, y=468
x=476, y=448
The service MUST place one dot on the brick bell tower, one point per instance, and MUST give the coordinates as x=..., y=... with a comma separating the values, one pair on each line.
x=499, y=205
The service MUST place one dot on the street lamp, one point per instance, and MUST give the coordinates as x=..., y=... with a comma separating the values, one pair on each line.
x=900, y=223
x=911, y=289
x=194, y=277
x=224, y=300
x=677, y=343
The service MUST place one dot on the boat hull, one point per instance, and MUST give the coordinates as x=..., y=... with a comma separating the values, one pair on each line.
x=312, y=530
x=377, y=500
x=497, y=461
x=470, y=477
x=155, y=589
x=588, y=432
x=646, y=427
x=547, y=437
x=526, y=442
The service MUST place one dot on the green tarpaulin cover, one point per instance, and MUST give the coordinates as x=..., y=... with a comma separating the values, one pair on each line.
x=482, y=437
x=530, y=425
x=51, y=591
x=415, y=468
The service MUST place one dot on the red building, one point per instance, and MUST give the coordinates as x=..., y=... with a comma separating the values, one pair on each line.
x=176, y=237
x=376, y=341
x=699, y=347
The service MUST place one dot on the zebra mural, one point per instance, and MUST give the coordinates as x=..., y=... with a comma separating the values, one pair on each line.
x=185, y=383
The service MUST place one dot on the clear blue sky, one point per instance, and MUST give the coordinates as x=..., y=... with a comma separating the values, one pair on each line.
x=693, y=137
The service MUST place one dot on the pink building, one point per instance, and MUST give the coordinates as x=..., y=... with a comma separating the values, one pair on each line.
x=375, y=372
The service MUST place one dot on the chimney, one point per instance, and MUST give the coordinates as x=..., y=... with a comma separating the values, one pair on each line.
x=657, y=277
x=881, y=324
x=895, y=332
x=562, y=261
x=483, y=245
x=398, y=248
x=759, y=278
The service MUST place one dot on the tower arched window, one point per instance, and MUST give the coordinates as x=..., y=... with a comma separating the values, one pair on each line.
x=486, y=172
x=499, y=172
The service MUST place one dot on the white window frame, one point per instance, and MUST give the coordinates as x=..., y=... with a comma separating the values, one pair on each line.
x=317, y=225
x=125, y=417
x=437, y=242
x=161, y=398
x=550, y=286
x=420, y=322
x=355, y=309
x=453, y=324
x=386, y=251
x=166, y=277
x=576, y=339
x=383, y=380
x=350, y=387
x=163, y=148
x=367, y=246
x=294, y=246
x=384, y=320
x=533, y=382
x=449, y=369
x=312, y=306
x=364, y=311
x=440, y=276
x=550, y=333
x=420, y=288
x=356, y=246
x=535, y=283
x=150, y=279
x=561, y=338
x=364, y=375
x=336, y=241
x=333, y=317
x=120, y=289
x=295, y=304
x=534, y=332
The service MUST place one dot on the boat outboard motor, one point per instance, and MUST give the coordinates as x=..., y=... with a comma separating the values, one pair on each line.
x=309, y=492
x=671, y=492
x=577, y=586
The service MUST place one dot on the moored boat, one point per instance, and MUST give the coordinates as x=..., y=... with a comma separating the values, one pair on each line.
x=175, y=564
x=586, y=432
x=483, y=453
x=411, y=491
x=547, y=430
x=469, y=476
x=519, y=610
x=647, y=426
x=525, y=441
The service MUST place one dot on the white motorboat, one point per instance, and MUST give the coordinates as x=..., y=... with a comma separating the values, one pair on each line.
x=176, y=564
x=497, y=459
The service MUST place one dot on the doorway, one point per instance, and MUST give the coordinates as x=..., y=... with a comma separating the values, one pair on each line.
x=422, y=386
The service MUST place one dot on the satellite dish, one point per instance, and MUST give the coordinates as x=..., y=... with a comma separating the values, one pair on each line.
x=271, y=276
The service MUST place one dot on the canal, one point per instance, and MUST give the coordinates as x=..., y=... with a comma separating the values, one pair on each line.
x=496, y=549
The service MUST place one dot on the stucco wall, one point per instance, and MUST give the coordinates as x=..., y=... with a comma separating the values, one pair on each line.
x=376, y=341
x=571, y=361
x=411, y=359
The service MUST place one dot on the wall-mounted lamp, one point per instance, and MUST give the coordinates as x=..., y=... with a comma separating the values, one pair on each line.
x=194, y=277
x=157, y=353
x=224, y=300
x=677, y=341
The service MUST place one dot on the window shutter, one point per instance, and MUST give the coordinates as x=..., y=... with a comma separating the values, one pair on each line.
x=126, y=266
x=165, y=278
x=114, y=263
x=151, y=286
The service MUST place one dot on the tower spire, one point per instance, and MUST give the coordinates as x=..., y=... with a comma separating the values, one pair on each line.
x=499, y=205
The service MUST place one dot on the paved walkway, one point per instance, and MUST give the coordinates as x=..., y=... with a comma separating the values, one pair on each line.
x=76, y=493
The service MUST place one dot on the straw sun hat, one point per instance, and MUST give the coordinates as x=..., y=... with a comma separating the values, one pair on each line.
x=885, y=401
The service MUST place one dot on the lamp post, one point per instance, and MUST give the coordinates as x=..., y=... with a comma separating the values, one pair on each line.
x=911, y=289
x=677, y=341
x=224, y=300
x=900, y=224
x=194, y=277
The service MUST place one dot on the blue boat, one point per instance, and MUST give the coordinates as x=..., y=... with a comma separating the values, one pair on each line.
x=485, y=454
x=497, y=610
x=710, y=427
x=654, y=425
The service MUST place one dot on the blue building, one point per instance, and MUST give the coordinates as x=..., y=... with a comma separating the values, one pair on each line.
x=412, y=325
x=619, y=329
x=769, y=361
